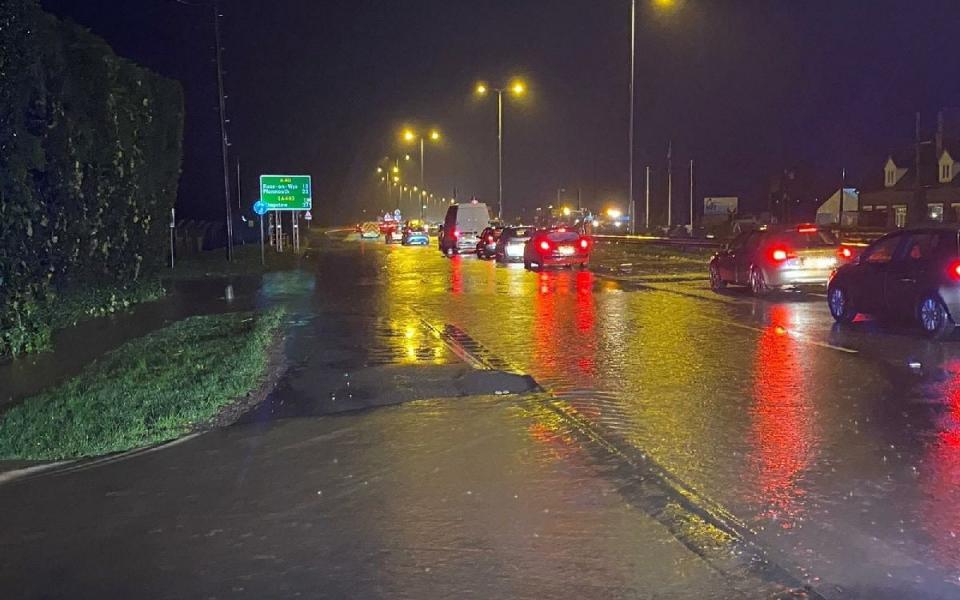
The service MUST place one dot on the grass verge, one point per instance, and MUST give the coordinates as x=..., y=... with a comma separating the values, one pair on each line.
x=246, y=261
x=150, y=390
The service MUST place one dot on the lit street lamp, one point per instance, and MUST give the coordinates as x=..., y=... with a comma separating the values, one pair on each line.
x=633, y=74
x=517, y=88
x=409, y=136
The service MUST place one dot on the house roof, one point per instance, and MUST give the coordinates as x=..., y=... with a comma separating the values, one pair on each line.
x=906, y=159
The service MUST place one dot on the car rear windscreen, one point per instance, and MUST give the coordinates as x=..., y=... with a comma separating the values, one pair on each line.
x=811, y=239
x=562, y=236
x=520, y=232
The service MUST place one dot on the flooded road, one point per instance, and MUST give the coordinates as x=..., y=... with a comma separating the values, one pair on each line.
x=672, y=421
x=839, y=448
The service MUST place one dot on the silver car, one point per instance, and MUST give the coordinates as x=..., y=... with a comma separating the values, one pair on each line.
x=769, y=259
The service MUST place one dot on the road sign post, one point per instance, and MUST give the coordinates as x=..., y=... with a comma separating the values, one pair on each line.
x=260, y=207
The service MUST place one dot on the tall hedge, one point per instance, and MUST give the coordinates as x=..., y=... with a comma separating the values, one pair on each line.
x=90, y=157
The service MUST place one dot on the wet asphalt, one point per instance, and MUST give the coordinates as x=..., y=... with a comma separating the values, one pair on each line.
x=683, y=444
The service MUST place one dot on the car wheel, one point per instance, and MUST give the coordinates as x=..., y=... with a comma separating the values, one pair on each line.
x=716, y=282
x=841, y=309
x=758, y=283
x=934, y=318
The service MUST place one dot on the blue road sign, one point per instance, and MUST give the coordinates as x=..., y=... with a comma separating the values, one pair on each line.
x=260, y=207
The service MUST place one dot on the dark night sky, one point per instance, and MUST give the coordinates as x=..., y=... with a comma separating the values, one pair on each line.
x=744, y=87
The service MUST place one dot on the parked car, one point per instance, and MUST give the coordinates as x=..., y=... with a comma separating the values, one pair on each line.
x=370, y=230
x=462, y=227
x=415, y=234
x=777, y=258
x=487, y=246
x=511, y=243
x=557, y=247
x=910, y=274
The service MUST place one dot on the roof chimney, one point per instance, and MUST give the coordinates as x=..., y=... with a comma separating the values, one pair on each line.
x=939, y=133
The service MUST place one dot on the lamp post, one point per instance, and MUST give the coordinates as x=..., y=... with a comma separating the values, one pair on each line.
x=517, y=88
x=409, y=136
x=663, y=4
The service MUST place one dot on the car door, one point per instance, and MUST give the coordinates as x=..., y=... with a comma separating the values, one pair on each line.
x=909, y=271
x=746, y=257
x=725, y=258
x=868, y=278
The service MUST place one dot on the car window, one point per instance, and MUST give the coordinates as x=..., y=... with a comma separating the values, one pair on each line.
x=562, y=236
x=753, y=242
x=882, y=251
x=929, y=245
x=519, y=232
x=739, y=241
x=808, y=239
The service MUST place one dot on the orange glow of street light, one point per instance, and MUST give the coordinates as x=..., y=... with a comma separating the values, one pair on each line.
x=409, y=135
x=435, y=135
x=518, y=87
x=482, y=89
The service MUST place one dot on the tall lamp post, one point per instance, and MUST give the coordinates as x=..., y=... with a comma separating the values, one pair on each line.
x=410, y=136
x=517, y=88
x=633, y=99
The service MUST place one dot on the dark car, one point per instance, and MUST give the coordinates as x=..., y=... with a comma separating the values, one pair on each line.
x=556, y=247
x=911, y=274
x=487, y=246
x=511, y=244
x=771, y=259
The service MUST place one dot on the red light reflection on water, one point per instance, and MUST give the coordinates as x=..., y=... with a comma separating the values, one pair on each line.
x=782, y=432
x=456, y=275
x=939, y=481
x=565, y=339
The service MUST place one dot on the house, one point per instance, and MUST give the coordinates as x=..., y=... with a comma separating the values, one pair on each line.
x=827, y=213
x=919, y=185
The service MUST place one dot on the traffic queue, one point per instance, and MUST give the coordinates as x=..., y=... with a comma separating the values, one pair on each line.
x=909, y=275
x=469, y=229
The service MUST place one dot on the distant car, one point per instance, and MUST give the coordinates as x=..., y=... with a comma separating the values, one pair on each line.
x=370, y=230
x=487, y=246
x=557, y=247
x=511, y=243
x=392, y=232
x=912, y=274
x=462, y=227
x=415, y=234
x=773, y=259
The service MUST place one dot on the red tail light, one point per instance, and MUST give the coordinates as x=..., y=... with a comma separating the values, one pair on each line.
x=954, y=270
x=490, y=238
x=779, y=255
x=455, y=233
x=544, y=246
x=584, y=243
x=845, y=252
x=807, y=229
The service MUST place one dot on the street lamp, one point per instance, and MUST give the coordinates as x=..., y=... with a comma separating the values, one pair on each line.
x=517, y=88
x=662, y=4
x=410, y=135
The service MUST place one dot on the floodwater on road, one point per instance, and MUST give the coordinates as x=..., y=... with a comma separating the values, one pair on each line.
x=840, y=448
x=835, y=450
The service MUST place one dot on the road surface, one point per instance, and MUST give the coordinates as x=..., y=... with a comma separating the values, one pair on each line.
x=681, y=444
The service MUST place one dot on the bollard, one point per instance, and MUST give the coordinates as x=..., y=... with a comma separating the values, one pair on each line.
x=228, y=293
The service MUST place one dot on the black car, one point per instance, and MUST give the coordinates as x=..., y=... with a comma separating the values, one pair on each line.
x=912, y=274
x=487, y=245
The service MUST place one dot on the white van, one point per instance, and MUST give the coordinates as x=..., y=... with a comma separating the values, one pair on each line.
x=462, y=227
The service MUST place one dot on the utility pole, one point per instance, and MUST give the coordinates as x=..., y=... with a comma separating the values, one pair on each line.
x=224, y=144
x=670, y=186
x=633, y=73
x=646, y=221
x=691, y=196
x=239, y=195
